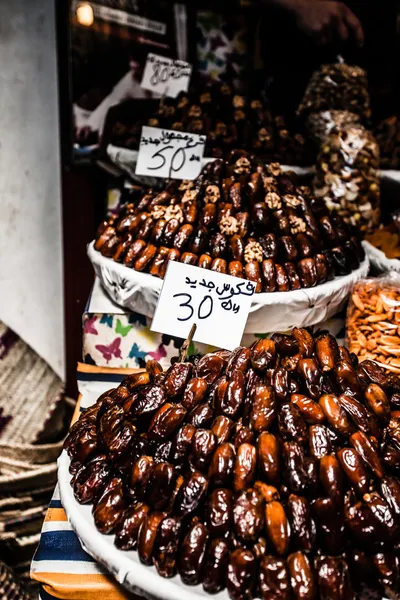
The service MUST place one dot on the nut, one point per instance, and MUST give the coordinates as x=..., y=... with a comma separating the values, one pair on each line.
x=173, y=212
x=228, y=225
x=212, y=194
x=253, y=252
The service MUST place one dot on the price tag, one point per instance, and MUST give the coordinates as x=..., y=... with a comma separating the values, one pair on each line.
x=219, y=305
x=167, y=153
x=166, y=76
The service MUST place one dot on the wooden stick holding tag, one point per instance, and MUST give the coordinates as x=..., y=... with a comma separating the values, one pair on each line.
x=185, y=346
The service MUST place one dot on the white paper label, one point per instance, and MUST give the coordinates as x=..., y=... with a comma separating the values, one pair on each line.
x=219, y=305
x=167, y=153
x=166, y=76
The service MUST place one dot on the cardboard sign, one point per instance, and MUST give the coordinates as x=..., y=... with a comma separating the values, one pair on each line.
x=168, y=153
x=166, y=76
x=219, y=305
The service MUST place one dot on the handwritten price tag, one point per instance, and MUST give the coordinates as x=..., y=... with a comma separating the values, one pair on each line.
x=218, y=304
x=167, y=153
x=166, y=76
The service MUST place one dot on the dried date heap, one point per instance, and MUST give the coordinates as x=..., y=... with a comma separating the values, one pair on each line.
x=347, y=177
x=228, y=120
x=271, y=470
x=237, y=217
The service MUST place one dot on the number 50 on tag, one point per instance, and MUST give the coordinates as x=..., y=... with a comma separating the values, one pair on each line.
x=219, y=305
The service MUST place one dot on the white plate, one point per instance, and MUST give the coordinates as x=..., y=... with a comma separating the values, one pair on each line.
x=379, y=260
x=125, y=566
x=277, y=311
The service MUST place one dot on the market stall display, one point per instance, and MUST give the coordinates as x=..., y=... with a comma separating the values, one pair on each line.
x=257, y=470
x=229, y=121
x=237, y=217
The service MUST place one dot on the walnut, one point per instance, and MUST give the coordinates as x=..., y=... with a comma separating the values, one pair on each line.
x=228, y=225
x=221, y=128
x=238, y=101
x=274, y=168
x=297, y=225
x=169, y=111
x=254, y=104
x=158, y=211
x=173, y=212
x=304, y=190
x=253, y=252
x=184, y=101
x=153, y=123
x=195, y=111
x=205, y=97
x=225, y=89
x=270, y=184
x=189, y=196
x=197, y=126
x=264, y=135
x=291, y=200
x=239, y=115
x=186, y=184
x=242, y=165
x=212, y=194
x=273, y=200
x=177, y=126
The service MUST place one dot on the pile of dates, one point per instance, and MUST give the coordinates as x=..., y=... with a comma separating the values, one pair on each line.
x=271, y=471
x=238, y=217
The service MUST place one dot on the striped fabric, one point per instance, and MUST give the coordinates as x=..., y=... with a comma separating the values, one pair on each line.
x=60, y=564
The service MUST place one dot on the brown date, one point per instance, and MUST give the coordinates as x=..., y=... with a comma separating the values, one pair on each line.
x=353, y=467
x=274, y=581
x=321, y=266
x=281, y=383
x=194, y=393
x=263, y=354
x=147, y=536
x=292, y=275
x=127, y=531
x=301, y=577
x=166, y=546
x=199, y=241
x=222, y=465
x=155, y=370
x=237, y=247
x=161, y=485
x=240, y=574
x=215, y=566
x=133, y=252
x=235, y=268
x=140, y=474
x=248, y=515
x=192, y=554
x=390, y=490
x=205, y=261
x=269, y=245
x=253, y=273
x=166, y=421
x=234, y=394
x=327, y=351
x=282, y=281
x=302, y=525
x=347, y=379
x=310, y=410
x=209, y=368
x=294, y=467
x=333, y=578
x=267, y=492
x=90, y=481
x=331, y=478
x=291, y=423
x=263, y=407
x=191, y=494
x=304, y=340
x=307, y=272
x=201, y=416
x=110, y=509
x=268, y=456
x=277, y=527
x=242, y=435
x=377, y=402
x=222, y=428
x=219, y=512
x=363, y=445
x=286, y=345
x=268, y=275
x=181, y=444
x=310, y=376
x=245, y=466
x=239, y=361
x=356, y=411
x=335, y=414
x=203, y=445
x=176, y=378
x=145, y=400
x=387, y=526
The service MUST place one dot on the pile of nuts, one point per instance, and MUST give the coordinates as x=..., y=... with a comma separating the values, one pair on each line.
x=347, y=177
x=373, y=322
x=228, y=120
x=337, y=87
x=238, y=217
x=271, y=471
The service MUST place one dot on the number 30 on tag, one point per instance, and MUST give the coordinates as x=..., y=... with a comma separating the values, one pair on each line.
x=219, y=305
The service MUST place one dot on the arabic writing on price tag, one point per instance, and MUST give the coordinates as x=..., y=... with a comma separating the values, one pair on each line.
x=167, y=153
x=166, y=76
x=219, y=305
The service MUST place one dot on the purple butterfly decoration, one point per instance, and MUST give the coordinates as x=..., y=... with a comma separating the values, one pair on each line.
x=89, y=325
x=111, y=350
x=159, y=353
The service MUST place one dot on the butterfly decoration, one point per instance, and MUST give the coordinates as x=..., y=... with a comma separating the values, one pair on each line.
x=88, y=325
x=113, y=349
x=159, y=353
x=137, y=353
x=122, y=329
x=137, y=318
x=107, y=320
x=167, y=339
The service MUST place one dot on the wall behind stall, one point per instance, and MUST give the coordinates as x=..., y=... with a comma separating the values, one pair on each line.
x=31, y=295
